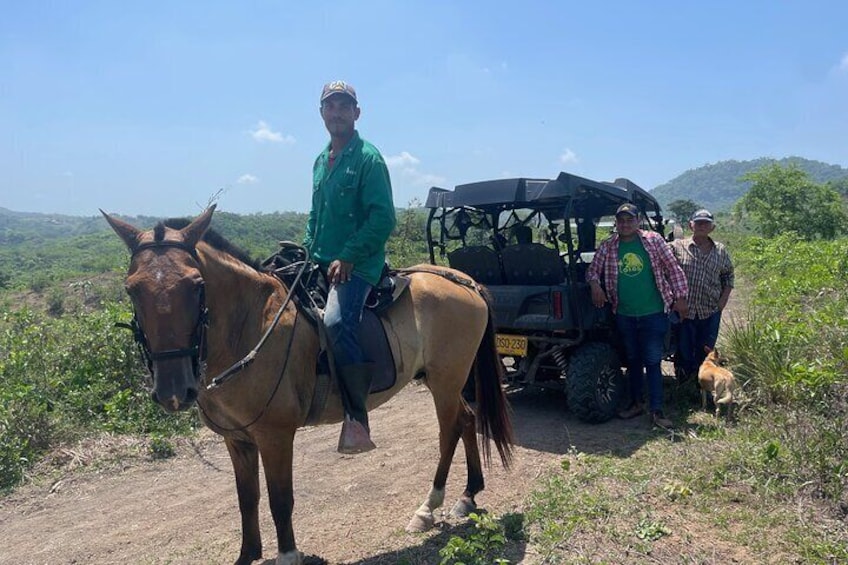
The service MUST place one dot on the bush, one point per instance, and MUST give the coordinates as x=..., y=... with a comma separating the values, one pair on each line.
x=66, y=378
x=791, y=357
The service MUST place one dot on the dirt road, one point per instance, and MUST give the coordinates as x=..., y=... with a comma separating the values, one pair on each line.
x=348, y=509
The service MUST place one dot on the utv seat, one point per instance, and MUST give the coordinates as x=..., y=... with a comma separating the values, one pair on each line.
x=532, y=264
x=478, y=261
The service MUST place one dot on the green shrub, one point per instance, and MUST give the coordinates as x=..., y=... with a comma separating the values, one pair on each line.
x=69, y=377
x=480, y=547
x=789, y=352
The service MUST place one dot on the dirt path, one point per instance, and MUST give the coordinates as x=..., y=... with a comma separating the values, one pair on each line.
x=348, y=509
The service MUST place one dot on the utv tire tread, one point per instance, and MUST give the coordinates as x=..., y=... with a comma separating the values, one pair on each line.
x=586, y=399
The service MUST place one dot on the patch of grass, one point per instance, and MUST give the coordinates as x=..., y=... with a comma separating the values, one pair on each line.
x=161, y=448
x=722, y=493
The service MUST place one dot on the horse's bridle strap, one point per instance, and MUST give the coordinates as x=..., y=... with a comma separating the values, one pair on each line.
x=160, y=244
x=174, y=353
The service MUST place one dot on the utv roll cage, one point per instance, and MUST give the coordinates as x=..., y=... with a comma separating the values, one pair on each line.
x=568, y=203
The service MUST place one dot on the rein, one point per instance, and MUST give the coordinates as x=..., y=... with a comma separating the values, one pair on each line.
x=248, y=359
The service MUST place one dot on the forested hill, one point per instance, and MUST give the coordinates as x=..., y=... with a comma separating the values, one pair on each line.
x=31, y=228
x=718, y=186
x=35, y=248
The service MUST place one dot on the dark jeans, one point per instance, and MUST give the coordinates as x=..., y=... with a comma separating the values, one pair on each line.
x=643, y=338
x=694, y=335
x=342, y=318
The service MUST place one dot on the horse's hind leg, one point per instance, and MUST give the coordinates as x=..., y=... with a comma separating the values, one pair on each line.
x=452, y=423
x=466, y=504
x=245, y=459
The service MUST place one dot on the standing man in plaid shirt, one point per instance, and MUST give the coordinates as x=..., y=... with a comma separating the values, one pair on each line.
x=709, y=272
x=635, y=271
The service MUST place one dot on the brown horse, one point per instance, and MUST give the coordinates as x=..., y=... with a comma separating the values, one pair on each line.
x=444, y=334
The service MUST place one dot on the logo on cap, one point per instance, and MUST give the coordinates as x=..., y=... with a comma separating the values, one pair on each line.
x=629, y=209
x=702, y=215
x=338, y=87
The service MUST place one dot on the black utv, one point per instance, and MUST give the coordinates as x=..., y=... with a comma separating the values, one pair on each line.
x=530, y=241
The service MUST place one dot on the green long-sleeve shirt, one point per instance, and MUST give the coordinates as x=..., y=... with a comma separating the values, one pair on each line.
x=352, y=213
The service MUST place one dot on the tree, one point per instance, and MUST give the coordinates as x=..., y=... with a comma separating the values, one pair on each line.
x=783, y=199
x=840, y=186
x=408, y=244
x=682, y=209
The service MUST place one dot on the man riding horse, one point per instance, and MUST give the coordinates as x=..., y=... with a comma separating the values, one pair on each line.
x=349, y=224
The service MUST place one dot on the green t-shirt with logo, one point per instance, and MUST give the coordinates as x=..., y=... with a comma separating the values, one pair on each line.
x=637, y=290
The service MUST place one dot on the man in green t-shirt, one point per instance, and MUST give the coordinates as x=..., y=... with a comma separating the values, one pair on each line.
x=350, y=221
x=635, y=271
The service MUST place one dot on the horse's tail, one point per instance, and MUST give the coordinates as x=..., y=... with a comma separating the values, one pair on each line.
x=494, y=420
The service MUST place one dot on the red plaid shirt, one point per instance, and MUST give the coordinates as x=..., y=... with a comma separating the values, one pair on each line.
x=668, y=276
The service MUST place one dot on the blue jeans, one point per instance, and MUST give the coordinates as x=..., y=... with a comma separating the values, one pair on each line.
x=694, y=335
x=644, y=337
x=342, y=317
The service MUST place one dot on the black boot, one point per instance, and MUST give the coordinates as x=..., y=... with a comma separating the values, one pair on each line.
x=355, y=381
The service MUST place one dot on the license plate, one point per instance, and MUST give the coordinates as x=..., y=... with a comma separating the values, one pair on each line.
x=515, y=345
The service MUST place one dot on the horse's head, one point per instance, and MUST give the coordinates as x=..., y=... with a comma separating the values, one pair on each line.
x=167, y=291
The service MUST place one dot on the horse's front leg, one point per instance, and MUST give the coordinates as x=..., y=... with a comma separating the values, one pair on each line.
x=277, y=456
x=245, y=459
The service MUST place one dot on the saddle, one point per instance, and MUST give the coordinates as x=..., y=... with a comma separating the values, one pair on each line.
x=310, y=294
x=310, y=297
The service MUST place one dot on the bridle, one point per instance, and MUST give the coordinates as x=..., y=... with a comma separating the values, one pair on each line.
x=197, y=349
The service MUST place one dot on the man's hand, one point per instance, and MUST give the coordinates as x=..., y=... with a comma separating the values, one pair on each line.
x=339, y=271
x=599, y=297
x=681, y=307
x=722, y=300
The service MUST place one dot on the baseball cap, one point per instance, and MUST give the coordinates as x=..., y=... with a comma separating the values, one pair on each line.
x=629, y=209
x=702, y=215
x=338, y=87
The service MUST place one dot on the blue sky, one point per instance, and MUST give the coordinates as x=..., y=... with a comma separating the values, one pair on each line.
x=153, y=107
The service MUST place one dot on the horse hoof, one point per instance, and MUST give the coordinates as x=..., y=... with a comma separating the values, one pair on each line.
x=463, y=507
x=290, y=558
x=420, y=523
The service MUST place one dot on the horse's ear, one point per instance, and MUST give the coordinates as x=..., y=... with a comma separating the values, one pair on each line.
x=126, y=231
x=195, y=230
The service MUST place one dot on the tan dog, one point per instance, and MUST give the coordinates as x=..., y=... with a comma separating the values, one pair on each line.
x=718, y=381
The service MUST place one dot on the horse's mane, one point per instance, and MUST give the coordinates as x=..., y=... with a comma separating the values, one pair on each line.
x=211, y=237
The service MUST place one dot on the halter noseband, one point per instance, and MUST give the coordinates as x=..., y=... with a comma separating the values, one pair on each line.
x=197, y=350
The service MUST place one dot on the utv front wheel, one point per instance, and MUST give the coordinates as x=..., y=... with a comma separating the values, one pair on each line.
x=594, y=382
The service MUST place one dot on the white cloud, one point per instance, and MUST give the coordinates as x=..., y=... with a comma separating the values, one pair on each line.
x=568, y=157
x=404, y=168
x=262, y=132
x=247, y=178
x=843, y=64
x=402, y=160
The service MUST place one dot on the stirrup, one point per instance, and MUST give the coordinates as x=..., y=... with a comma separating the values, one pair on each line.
x=354, y=438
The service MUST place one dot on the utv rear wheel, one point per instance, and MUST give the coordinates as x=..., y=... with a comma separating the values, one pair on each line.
x=595, y=384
